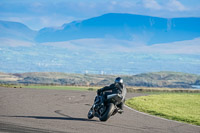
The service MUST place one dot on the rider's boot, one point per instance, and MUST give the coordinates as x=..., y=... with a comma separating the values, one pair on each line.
x=120, y=111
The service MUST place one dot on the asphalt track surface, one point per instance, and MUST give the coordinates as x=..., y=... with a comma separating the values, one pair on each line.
x=64, y=111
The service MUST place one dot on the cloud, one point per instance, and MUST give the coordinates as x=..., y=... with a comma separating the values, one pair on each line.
x=169, y=5
x=128, y=4
x=151, y=4
x=175, y=5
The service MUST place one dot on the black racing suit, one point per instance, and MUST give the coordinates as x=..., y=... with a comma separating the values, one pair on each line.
x=115, y=88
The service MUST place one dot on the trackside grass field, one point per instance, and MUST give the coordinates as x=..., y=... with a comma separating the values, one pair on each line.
x=138, y=89
x=179, y=107
x=54, y=87
x=61, y=87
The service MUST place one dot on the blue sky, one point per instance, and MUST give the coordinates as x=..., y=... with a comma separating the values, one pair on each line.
x=37, y=14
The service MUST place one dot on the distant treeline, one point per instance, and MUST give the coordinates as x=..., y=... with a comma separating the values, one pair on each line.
x=155, y=79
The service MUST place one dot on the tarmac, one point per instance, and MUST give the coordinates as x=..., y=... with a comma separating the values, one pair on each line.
x=65, y=111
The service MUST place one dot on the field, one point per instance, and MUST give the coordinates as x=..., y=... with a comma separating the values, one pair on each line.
x=180, y=107
x=53, y=87
x=131, y=89
x=136, y=89
x=161, y=90
x=62, y=87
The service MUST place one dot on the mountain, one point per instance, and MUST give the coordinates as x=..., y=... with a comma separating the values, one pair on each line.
x=113, y=26
x=141, y=29
x=109, y=44
x=16, y=31
x=156, y=79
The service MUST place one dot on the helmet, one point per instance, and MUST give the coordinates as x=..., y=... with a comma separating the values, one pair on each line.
x=119, y=80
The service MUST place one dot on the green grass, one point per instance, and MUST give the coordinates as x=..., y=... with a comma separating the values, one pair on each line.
x=53, y=87
x=159, y=89
x=181, y=107
x=82, y=88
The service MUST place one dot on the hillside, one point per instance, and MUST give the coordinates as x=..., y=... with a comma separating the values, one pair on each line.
x=16, y=31
x=138, y=28
x=113, y=43
x=156, y=79
x=130, y=27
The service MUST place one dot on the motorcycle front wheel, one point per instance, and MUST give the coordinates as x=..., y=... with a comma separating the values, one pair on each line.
x=106, y=115
x=90, y=114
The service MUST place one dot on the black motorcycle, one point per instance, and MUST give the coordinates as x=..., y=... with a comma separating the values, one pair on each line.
x=103, y=109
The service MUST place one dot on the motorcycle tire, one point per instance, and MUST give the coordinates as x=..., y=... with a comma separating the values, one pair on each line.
x=106, y=115
x=90, y=114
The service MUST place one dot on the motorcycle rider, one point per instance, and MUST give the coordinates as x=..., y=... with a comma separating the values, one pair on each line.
x=116, y=88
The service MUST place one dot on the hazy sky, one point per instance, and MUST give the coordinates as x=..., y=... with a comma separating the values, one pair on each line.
x=37, y=14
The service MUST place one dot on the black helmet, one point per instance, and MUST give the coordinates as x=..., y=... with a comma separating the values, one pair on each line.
x=119, y=80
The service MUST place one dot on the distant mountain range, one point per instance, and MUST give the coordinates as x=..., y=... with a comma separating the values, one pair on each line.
x=141, y=29
x=113, y=43
x=15, y=30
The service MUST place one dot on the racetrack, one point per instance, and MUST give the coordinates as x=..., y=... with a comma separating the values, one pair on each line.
x=36, y=110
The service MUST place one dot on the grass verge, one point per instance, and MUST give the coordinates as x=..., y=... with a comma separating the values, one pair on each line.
x=135, y=89
x=53, y=87
x=157, y=89
x=180, y=107
x=82, y=88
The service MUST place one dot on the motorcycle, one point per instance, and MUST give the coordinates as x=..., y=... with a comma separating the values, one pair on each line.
x=104, y=109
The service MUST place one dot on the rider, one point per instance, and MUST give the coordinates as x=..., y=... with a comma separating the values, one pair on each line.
x=116, y=88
